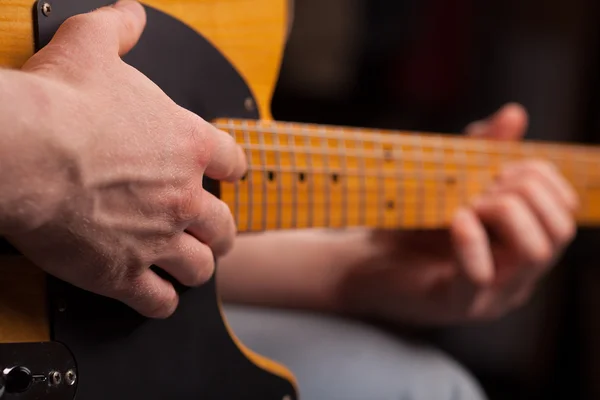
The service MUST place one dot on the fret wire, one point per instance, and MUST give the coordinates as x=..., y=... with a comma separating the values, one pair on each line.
x=294, y=170
x=279, y=180
x=487, y=174
x=439, y=184
x=358, y=143
x=263, y=161
x=374, y=173
x=400, y=193
x=250, y=179
x=342, y=154
x=460, y=153
x=326, y=180
x=421, y=195
x=237, y=183
x=309, y=164
x=380, y=179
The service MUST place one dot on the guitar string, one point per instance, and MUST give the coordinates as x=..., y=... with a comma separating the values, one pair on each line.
x=466, y=162
x=397, y=174
x=373, y=137
x=428, y=158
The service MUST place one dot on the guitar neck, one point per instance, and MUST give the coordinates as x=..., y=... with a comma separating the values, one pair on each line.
x=303, y=175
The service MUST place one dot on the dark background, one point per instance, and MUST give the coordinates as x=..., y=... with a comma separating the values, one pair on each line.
x=436, y=65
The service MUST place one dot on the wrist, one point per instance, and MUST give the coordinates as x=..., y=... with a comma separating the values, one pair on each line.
x=34, y=176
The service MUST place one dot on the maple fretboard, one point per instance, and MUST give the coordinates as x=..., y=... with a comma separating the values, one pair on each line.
x=303, y=175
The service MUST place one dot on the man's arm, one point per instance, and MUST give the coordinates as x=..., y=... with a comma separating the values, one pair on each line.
x=295, y=268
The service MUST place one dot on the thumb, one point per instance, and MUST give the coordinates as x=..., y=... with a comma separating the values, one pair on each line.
x=116, y=28
x=508, y=123
x=130, y=23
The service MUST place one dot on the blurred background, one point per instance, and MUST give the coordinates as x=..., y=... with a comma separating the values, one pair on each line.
x=436, y=65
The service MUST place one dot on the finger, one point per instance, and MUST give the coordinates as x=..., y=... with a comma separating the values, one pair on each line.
x=148, y=294
x=561, y=189
x=471, y=247
x=508, y=123
x=499, y=301
x=115, y=28
x=554, y=217
x=188, y=260
x=518, y=228
x=130, y=22
x=215, y=227
x=227, y=161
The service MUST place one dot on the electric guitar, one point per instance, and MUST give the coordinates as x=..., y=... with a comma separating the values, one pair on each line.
x=57, y=341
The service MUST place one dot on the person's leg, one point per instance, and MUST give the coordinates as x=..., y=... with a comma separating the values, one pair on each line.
x=338, y=359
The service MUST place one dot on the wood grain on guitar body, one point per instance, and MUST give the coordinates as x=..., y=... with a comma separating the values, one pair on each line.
x=300, y=176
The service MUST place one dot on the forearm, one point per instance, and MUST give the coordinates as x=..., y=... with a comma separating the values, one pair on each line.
x=31, y=177
x=296, y=269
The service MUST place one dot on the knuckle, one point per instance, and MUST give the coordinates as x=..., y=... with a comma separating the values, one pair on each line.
x=528, y=186
x=164, y=306
x=507, y=205
x=224, y=243
x=80, y=21
x=567, y=231
x=71, y=56
x=541, y=167
x=540, y=254
x=183, y=203
x=204, y=271
x=194, y=131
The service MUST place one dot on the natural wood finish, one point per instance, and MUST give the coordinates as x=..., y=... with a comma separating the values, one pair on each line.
x=303, y=175
x=16, y=33
x=250, y=33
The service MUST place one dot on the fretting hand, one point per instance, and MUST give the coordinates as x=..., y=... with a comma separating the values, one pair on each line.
x=491, y=258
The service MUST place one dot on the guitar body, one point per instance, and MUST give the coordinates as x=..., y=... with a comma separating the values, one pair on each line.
x=219, y=59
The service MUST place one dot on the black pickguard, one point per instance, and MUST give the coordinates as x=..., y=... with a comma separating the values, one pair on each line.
x=118, y=353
